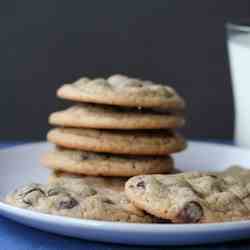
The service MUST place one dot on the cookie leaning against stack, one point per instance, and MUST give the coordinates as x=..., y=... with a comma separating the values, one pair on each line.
x=130, y=120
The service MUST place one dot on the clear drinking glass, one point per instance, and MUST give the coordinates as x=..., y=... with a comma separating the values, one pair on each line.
x=238, y=41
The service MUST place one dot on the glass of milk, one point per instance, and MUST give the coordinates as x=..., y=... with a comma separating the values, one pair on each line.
x=238, y=41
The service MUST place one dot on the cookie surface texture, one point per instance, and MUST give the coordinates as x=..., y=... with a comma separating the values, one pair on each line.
x=193, y=197
x=118, y=141
x=122, y=91
x=80, y=197
x=113, y=117
x=104, y=164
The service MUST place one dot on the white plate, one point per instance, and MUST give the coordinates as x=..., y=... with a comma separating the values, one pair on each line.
x=20, y=165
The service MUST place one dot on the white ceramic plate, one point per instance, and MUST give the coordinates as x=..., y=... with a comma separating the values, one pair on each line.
x=20, y=165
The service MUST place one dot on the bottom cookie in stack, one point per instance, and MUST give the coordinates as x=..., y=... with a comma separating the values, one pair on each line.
x=83, y=197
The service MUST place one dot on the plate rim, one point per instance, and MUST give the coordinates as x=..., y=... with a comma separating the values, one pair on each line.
x=124, y=226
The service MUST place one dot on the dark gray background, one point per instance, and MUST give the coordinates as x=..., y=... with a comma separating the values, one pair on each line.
x=45, y=43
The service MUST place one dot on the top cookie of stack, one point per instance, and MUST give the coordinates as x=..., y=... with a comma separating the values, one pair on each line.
x=122, y=91
x=130, y=120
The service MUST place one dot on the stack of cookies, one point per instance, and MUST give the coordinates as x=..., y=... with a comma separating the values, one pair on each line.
x=118, y=126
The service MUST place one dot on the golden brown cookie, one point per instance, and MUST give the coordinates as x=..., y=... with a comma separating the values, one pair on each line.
x=81, y=197
x=104, y=164
x=118, y=141
x=114, y=117
x=193, y=197
x=122, y=91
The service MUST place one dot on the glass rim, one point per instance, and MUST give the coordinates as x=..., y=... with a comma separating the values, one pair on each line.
x=238, y=25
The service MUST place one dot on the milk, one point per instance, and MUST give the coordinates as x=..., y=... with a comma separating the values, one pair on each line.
x=239, y=55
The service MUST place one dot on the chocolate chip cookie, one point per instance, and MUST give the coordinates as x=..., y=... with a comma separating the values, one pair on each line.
x=104, y=164
x=114, y=117
x=193, y=197
x=122, y=91
x=94, y=198
x=133, y=142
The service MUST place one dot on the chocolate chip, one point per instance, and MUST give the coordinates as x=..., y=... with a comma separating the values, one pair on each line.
x=68, y=203
x=55, y=191
x=141, y=184
x=108, y=201
x=84, y=156
x=214, y=176
x=29, y=188
x=191, y=212
x=35, y=190
x=31, y=194
x=92, y=191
